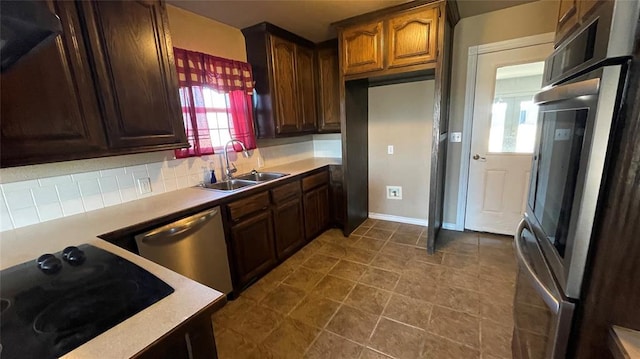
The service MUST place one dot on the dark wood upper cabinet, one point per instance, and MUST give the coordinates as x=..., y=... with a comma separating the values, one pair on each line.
x=328, y=87
x=106, y=86
x=136, y=76
x=362, y=48
x=568, y=18
x=284, y=71
x=412, y=38
x=283, y=54
x=305, y=70
x=49, y=108
x=390, y=42
x=574, y=13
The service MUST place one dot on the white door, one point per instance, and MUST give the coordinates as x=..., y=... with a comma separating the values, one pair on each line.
x=503, y=135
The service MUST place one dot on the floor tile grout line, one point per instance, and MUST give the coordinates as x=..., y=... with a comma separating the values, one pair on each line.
x=371, y=265
x=375, y=327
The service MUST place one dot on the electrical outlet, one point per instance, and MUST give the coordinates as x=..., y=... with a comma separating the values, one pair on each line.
x=390, y=149
x=144, y=185
x=456, y=137
x=394, y=192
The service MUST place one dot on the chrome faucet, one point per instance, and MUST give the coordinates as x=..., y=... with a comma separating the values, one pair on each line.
x=229, y=170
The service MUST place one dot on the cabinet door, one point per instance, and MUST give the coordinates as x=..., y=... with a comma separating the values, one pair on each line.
x=316, y=211
x=337, y=195
x=136, y=74
x=49, y=106
x=587, y=6
x=324, y=208
x=193, y=338
x=567, y=18
x=306, y=88
x=412, y=38
x=329, y=90
x=283, y=61
x=311, y=219
x=362, y=48
x=253, y=246
x=288, y=227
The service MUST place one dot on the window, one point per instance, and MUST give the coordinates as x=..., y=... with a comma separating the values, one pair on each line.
x=218, y=117
x=513, y=115
x=215, y=95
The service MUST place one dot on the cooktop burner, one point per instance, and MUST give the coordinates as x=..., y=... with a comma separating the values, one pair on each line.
x=58, y=302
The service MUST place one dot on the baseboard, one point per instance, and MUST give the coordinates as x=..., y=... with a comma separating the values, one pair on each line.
x=392, y=218
x=451, y=226
x=409, y=220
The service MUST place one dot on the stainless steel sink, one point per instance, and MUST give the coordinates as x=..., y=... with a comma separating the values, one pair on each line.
x=261, y=176
x=230, y=185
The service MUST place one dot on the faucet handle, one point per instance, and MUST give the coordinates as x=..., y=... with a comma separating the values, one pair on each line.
x=234, y=169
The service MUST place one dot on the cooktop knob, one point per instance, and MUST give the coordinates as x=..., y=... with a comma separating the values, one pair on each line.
x=49, y=264
x=73, y=255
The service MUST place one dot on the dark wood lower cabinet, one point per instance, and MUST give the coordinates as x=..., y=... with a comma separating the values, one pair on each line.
x=253, y=246
x=289, y=227
x=193, y=339
x=336, y=191
x=316, y=211
x=265, y=228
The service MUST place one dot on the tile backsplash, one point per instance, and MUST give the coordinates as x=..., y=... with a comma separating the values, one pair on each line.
x=38, y=200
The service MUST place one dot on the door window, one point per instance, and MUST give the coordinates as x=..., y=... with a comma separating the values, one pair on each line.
x=513, y=114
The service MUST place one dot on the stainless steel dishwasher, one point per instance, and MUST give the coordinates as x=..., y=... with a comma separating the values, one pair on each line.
x=193, y=246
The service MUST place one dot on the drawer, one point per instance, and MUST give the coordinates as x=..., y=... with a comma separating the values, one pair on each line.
x=315, y=180
x=243, y=207
x=279, y=194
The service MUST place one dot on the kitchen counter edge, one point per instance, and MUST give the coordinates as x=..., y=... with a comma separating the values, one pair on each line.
x=190, y=297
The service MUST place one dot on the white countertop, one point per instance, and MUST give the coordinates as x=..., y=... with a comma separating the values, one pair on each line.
x=627, y=343
x=136, y=333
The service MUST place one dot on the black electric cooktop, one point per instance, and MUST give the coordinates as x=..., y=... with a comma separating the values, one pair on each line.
x=52, y=305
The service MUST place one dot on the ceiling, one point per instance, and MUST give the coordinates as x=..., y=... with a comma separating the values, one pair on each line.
x=311, y=19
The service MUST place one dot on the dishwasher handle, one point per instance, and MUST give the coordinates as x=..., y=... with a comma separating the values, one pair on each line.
x=172, y=230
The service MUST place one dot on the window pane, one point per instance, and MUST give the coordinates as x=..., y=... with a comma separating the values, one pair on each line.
x=223, y=120
x=214, y=99
x=224, y=137
x=513, y=115
x=215, y=138
x=211, y=120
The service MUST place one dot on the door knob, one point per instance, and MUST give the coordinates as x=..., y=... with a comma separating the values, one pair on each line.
x=478, y=157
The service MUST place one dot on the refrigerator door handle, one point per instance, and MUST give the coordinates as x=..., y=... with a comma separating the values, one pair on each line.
x=552, y=302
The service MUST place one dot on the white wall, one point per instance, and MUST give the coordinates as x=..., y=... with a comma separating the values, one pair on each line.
x=401, y=115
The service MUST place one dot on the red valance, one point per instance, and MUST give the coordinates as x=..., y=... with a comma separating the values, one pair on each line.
x=223, y=75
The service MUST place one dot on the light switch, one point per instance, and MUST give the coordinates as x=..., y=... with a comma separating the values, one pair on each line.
x=455, y=137
x=390, y=149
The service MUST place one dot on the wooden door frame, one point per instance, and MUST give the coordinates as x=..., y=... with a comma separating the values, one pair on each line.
x=469, y=99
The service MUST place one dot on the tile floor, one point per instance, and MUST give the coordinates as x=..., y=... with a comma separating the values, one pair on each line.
x=377, y=294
